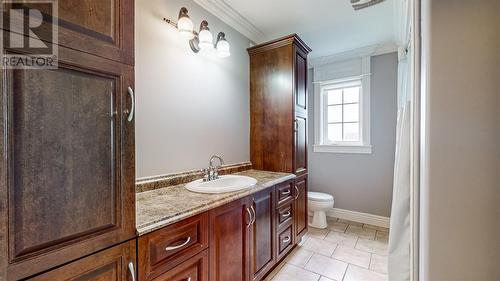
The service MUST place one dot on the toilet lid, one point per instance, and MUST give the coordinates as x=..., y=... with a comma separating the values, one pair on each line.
x=318, y=196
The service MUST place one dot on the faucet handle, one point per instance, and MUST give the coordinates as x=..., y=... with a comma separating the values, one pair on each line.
x=205, y=174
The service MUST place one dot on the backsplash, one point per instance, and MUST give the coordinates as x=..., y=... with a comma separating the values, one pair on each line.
x=156, y=182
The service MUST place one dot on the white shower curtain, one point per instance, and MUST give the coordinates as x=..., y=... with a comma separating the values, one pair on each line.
x=399, y=235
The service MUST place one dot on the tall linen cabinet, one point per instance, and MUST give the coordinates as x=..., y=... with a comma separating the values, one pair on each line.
x=278, y=106
x=67, y=168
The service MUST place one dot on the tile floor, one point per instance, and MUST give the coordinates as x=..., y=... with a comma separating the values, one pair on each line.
x=345, y=251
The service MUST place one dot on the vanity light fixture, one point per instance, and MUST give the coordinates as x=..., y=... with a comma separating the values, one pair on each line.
x=222, y=46
x=199, y=41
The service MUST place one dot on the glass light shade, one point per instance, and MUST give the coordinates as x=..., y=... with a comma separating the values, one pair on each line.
x=185, y=27
x=206, y=39
x=223, y=49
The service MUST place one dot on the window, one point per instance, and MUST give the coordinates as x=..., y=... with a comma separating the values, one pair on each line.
x=343, y=124
x=342, y=112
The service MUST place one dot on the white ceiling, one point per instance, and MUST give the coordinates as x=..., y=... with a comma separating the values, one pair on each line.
x=327, y=26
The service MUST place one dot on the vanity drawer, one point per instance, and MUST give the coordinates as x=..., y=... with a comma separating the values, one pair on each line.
x=162, y=250
x=284, y=216
x=194, y=269
x=284, y=242
x=284, y=193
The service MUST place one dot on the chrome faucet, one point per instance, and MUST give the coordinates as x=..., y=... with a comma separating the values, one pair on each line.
x=212, y=173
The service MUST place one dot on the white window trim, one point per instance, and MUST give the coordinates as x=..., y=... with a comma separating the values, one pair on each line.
x=363, y=147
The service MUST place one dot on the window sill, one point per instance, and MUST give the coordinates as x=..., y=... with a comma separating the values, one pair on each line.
x=347, y=149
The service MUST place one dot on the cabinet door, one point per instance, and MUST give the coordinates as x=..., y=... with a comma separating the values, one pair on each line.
x=101, y=27
x=300, y=207
x=70, y=161
x=300, y=160
x=114, y=264
x=300, y=82
x=229, y=239
x=262, y=256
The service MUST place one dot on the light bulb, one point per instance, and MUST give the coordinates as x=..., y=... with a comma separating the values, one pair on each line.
x=185, y=27
x=223, y=48
x=206, y=40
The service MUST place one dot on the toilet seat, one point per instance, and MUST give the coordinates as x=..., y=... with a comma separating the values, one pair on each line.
x=319, y=196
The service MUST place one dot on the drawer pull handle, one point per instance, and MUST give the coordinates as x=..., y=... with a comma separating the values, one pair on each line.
x=286, y=240
x=171, y=248
x=189, y=279
x=298, y=192
x=131, y=270
x=286, y=192
x=286, y=215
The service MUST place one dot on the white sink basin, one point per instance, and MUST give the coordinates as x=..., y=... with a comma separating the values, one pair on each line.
x=223, y=184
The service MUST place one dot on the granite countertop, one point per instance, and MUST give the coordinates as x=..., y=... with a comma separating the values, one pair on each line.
x=161, y=207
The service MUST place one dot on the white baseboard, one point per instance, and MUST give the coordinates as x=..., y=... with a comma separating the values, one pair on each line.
x=358, y=217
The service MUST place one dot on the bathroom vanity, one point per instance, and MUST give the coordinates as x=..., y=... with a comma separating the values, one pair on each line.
x=230, y=236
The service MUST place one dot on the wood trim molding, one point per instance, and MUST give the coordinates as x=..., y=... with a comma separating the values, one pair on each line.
x=230, y=16
x=373, y=50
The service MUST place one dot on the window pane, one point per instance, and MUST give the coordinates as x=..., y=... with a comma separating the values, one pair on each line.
x=351, y=95
x=351, y=131
x=334, y=113
x=351, y=112
x=335, y=97
x=335, y=132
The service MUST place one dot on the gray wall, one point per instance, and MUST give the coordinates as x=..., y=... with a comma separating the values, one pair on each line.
x=362, y=182
x=460, y=191
x=189, y=106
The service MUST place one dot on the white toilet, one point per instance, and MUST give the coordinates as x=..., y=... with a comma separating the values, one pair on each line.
x=319, y=203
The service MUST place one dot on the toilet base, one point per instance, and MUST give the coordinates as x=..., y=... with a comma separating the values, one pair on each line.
x=319, y=220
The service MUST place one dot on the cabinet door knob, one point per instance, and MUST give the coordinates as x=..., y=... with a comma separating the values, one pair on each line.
x=131, y=270
x=171, y=248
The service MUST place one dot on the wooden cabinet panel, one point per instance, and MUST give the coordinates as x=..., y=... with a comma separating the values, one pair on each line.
x=300, y=145
x=229, y=239
x=194, y=269
x=284, y=193
x=262, y=242
x=301, y=82
x=164, y=249
x=101, y=27
x=284, y=216
x=301, y=216
x=114, y=264
x=70, y=166
x=285, y=242
x=271, y=131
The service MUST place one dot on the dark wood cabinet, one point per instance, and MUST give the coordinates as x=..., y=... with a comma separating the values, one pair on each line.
x=194, y=269
x=229, y=241
x=162, y=250
x=114, y=264
x=278, y=107
x=67, y=174
x=262, y=234
x=301, y=216
x=104, y=28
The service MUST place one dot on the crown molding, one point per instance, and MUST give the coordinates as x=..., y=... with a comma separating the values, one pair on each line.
x=372, y=50
x=230, y=16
